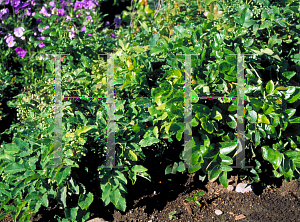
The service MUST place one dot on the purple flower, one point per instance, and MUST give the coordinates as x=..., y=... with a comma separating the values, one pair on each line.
x=19, y=31
x=69, y=18
x=118, y=22
x=87, y=4
x=21, y=52
x=44, y=12
x=52, y=3
x=73, y=33
x=89, y=34
x=77, y=5
x=61, y=12
x=89, y=19
x=15, y=3
x=4, y=13
x=10, y=41
x=42, y=37
x=20, y=6
x=65, y=4
x=107, y=23
x=43, y=57
x=82, y=29
x=41, y=45
x=113, y=36
x=46, y=27
x=32, y=3
x=38, y=21
x=27, y=12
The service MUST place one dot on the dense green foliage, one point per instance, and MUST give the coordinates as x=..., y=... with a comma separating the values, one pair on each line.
x=149, y=106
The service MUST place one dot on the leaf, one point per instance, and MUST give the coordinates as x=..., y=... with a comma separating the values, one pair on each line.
x=270, y=87
x=248, y=43
x=115, y=196
x=263, y=119
x=63, y=196
x=156, y=50
x=129, y=64
x=207, y=2
x=273, y=156
x=138, y=168
x=223, y=179
x=148, y=141
x=215, y=172
x=122, y=44
x=227, y=147
x=84, y=203
x=132, y=155
x=153, y=40
x=145, y=27
x=121, y=204
x=62, y=175
x=289, y=75
x=83, y=130
x=267, y=51
x=14, y=168
x=121, y=177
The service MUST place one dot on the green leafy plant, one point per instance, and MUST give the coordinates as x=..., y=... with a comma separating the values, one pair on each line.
x=172, y=215
x=194, y=198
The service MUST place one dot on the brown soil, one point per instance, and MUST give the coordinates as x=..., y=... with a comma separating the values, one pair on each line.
x=277, y=202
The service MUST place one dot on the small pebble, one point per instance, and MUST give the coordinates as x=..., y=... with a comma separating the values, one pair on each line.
x=243, y=188
x=218, y=212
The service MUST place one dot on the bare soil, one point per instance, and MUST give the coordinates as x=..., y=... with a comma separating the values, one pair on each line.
x=153, y=201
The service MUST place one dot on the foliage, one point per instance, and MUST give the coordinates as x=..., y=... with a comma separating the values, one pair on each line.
x=149, y=87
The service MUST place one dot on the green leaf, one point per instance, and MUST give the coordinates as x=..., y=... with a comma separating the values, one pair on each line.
x=156, y=50
x=62, y=175
x=200, y=193
x=115, y=196
x=153, y=40
x=85, y=200
x=290, y=112
x=179, y=135
x=289, y=75
x=230, y=120
x=223, y=179
x=132, y=155
x=63, y=195
x=263, y=119
x=14, y=168
x=148, y=141
x=248, y=43
x=83, y=130
x=121, y=204
x=227, y=147
x=270, y=87
x=295, y=120
x=121, y=177
x=207, y=2
x=256, y=138
x=138, y=168
x=274, y=157
x=144, y=25
x=215, y=172
x=81, y=117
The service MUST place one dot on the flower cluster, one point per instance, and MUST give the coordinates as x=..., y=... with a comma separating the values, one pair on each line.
x=63, y=12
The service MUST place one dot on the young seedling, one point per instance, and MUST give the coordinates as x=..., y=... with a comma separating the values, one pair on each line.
x=171, y=215
x=194, y=198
